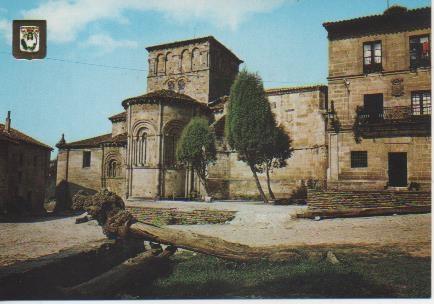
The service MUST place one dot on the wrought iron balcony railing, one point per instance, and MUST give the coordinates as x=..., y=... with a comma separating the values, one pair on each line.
x=390, y=114
x=394, y=121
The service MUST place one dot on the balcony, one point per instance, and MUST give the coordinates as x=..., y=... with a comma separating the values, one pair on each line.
x=394, y=121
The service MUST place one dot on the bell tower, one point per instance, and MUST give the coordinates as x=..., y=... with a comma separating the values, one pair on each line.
x=202, y=68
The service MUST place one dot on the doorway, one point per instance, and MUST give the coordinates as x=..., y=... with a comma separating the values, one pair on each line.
x=397, y=169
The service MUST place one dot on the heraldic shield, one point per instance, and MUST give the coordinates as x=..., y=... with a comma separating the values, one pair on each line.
x=29, y=39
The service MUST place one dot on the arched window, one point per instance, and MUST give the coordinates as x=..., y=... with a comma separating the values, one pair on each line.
x=170, y=64
x=112, y=168
x=181, y=86
x=185, y=61
x=171, y=86
x=195, y=60
x=161, y=64
x=140, y=148
x=170, y=141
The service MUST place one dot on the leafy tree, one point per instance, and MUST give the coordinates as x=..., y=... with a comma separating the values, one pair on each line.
x=249, y=122
x=276, y=154
x=196, y=148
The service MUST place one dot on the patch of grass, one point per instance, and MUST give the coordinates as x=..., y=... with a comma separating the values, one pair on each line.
x=357, y=276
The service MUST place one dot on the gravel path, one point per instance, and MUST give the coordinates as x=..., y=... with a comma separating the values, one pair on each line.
x=22, y=241
x=255, y=224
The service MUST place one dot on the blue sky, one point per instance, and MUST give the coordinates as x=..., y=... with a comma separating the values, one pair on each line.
x=283, y=41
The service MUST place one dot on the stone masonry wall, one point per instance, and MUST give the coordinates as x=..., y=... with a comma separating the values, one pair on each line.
x=173, y=216
x=206, y=68
x=301, y=114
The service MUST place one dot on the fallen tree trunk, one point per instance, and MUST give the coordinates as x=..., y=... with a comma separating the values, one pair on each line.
x=211, y=245
x=145, y=266
x=109, y=210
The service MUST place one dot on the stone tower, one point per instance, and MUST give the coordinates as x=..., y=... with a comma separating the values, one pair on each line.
x=202, y=68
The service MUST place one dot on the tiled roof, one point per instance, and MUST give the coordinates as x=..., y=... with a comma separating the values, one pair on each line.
x=119, y=117
x=119, y=139
x=190, y=41
x=20, y=137
x=288, y=90
x=88, y=142
x=396, y=19
x=163, y=95
x=97, y=141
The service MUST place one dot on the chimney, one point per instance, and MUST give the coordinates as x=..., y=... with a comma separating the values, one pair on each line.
x=8, y=123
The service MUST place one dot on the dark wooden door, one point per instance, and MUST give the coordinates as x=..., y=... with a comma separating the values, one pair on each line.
x=398, y=169
x=373, y=106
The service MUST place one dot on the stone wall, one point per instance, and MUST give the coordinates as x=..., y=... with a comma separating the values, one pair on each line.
x=118, y=127
x=79, y=177
x=301, y=112
x=337, y=200
x=174, y=216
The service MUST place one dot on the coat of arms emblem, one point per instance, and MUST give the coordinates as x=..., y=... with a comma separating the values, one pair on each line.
x=29, y=39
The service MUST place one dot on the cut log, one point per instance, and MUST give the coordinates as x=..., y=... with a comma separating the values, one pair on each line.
x=109, y=210
x=211, y=245
x=143, y=266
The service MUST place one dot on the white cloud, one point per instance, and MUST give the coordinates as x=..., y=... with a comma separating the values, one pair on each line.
x=66, y=18
x=6, y=30
x=106, y=44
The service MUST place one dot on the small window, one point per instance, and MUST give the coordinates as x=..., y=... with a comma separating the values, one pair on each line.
x=421, y=103
x=273, y=105
x=171, y=86
x=21, y=159
x=86, y=159
x=35, y=161
x=372, y=57
x=359, y=159
x=420, y=51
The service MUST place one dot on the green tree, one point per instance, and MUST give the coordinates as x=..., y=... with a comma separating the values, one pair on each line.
x=249, y=122
x=276, y=154
x=196, y=148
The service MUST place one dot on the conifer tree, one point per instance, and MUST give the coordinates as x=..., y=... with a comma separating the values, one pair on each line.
x=196, y=148
x=249, y=123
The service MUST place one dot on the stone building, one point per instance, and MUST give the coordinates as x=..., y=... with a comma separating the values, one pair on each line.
x=186, y=79
x=379, y=88
x=24, y=165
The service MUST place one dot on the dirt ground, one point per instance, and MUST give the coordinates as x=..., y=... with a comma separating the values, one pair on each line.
x=255, y=224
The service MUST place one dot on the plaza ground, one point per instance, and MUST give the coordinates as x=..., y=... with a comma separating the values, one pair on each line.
x=255, y=224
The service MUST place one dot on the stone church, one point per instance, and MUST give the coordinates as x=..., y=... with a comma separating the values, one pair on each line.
x=369, y=129
x=186, y=79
